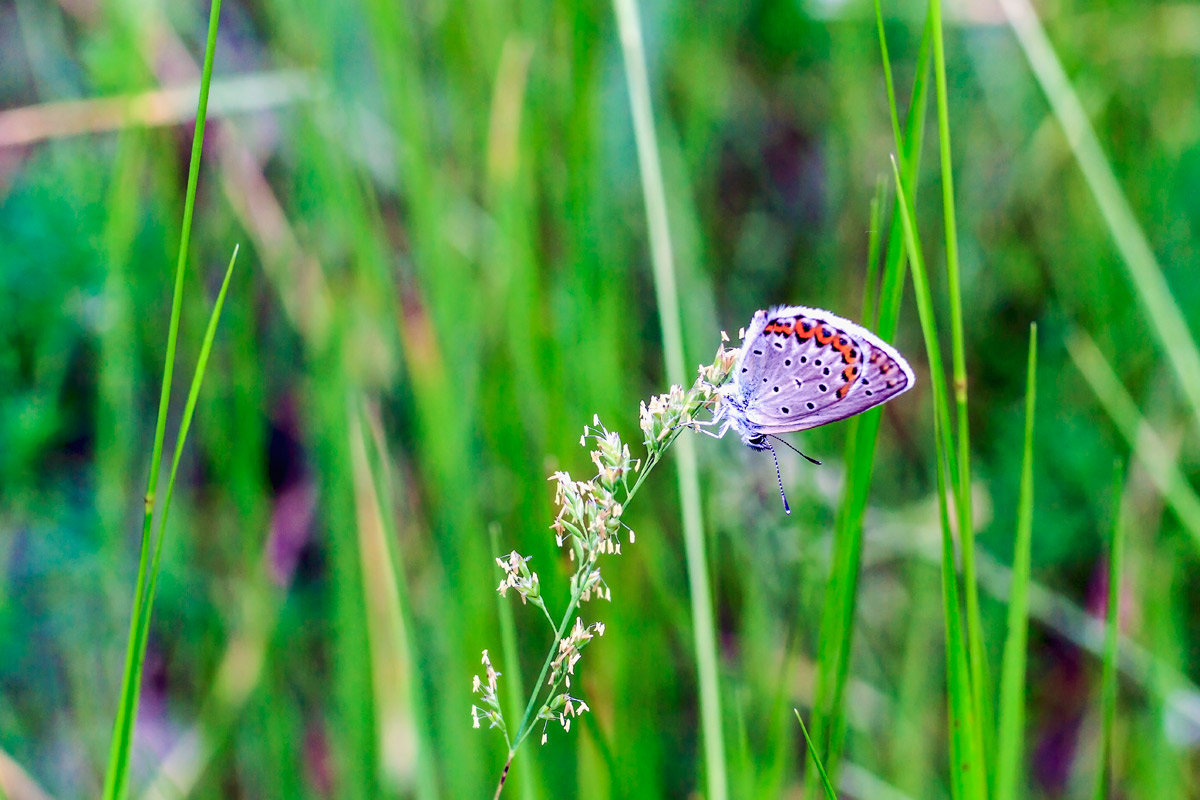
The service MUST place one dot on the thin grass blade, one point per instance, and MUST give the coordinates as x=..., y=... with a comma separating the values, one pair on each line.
x=966, y=768
x=667, y=297
x=1108, y=677
x=1010, y=734
x=962, y=438
x=116, y=775
x=1147, y=446
x=185, y=425
x=837, y=619
x=1163, y=314
x=816, y=758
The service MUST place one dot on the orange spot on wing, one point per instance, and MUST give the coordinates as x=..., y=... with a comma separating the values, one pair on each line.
x=804, y=331
x=829, y=333
x=841, y=393
x=845, y=346
x=850, y=373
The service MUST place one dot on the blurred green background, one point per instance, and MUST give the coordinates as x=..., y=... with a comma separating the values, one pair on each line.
x=444, y=254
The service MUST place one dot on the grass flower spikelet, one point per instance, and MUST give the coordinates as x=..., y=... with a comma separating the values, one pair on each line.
x=588, y=524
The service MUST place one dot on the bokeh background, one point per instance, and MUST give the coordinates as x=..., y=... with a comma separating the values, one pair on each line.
x=445, y=261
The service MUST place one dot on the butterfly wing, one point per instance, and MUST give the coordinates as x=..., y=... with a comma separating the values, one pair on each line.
x=803, y=367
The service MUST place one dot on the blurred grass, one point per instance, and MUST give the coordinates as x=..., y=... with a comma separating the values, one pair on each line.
x=446, y=273
x=1108, y=676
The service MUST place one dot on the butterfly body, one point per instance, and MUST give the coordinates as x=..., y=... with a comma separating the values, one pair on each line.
x=801, y=367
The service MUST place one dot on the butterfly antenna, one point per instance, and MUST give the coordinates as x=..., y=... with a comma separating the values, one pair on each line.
x=786, y=508
x=788, y=444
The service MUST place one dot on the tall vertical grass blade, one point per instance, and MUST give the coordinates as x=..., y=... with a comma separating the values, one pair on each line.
x=116, y=775
x=667, y=298
x=966, y=767
x=1010, y=734
x=870, y=310
x=1108, y=678
x=889, y=84
x=1163, y=314
x=962, y=477
x=816, y=758
x=837, y=617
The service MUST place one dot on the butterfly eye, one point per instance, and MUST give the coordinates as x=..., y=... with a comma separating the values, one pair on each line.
x=823, y=387
x=803, y=359
x=776, y=389
x=785, y=409
x=787, y=362
x=811, y=406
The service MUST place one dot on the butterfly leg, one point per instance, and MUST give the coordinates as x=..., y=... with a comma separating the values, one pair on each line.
x=699, y=425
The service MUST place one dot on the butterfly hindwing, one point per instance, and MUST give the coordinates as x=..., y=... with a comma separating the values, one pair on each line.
x=803, y=367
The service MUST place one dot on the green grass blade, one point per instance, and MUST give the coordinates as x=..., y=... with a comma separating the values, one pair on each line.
x=909, y=150
x=838, y=610
x=667, y=297
x=1011, y=722
x=1146, y=445
x=816, y=758
x=886, y=60
x=184, y=426
x=189, y=409
x=117, y=773
x=962, y=477
x=965, y=757
x=874, y=256
x=1163, y=314
x=401, y=614
x=1108, y=678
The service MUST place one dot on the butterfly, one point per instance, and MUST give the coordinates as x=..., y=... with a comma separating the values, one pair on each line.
x=802, y=367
